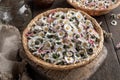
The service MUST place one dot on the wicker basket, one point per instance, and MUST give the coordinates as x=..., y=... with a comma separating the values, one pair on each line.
x=35, y=61
x=93, y=12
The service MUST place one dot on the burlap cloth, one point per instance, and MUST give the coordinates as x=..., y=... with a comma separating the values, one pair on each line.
x=11, y=67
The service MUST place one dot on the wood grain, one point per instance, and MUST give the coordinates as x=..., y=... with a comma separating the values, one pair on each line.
x=114, y=29
x=110, y=68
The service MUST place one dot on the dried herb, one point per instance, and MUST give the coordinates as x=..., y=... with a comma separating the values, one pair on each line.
x=55, y=56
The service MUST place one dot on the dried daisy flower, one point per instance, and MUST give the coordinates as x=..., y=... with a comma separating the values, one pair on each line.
x=118, y=46
x=113, y=16
x=100, y=23
x=118, y=16
x=107, y=35
x=69, y=59
x=114, y=22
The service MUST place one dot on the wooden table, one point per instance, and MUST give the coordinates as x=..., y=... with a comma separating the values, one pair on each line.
x=110, y=69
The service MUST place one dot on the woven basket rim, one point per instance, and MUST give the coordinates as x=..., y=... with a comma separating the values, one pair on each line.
x=93, y=10
x=44, y=64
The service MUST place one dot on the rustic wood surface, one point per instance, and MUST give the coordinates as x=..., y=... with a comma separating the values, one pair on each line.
x=110, y=69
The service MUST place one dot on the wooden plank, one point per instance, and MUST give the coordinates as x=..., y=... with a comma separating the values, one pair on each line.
x=110, y=68
x=114, y=29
